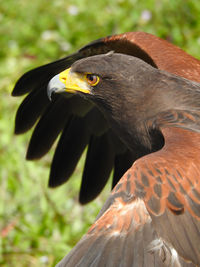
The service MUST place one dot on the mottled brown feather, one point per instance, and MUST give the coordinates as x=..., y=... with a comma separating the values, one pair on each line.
x=180, y=156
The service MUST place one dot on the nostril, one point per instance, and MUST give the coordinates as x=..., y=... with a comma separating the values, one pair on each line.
x=63, y=79
x=63, y=76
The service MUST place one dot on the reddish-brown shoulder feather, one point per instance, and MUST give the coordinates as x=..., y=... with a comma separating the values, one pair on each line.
x=171, y=175
x=168, y=182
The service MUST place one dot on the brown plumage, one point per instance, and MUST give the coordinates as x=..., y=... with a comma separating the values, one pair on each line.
x=152, y=215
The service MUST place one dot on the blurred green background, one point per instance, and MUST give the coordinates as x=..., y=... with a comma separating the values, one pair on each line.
x=38, y=226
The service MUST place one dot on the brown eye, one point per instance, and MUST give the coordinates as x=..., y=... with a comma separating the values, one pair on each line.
x=92, y=79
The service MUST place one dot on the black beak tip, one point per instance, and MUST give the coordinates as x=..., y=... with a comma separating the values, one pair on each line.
x=51, y=91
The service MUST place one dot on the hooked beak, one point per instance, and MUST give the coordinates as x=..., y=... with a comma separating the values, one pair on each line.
x=67, y=81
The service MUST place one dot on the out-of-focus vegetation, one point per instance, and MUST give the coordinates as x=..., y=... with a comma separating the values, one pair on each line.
x=38, y=226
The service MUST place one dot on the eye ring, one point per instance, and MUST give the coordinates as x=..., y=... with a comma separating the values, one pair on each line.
x=92, y=79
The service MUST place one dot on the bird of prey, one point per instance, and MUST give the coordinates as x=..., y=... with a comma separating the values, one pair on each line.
x=134, y=115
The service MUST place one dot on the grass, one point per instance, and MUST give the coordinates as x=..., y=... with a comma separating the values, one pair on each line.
x=38, y=226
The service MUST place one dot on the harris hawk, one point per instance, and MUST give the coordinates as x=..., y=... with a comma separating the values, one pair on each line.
x=129, y=110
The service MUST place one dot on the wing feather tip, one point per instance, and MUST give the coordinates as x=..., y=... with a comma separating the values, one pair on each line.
x=53, y=182
x=33, y=154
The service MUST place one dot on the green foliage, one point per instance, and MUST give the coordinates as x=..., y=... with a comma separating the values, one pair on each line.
x=38, y=226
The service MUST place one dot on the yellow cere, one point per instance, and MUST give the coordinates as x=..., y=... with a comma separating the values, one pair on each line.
x=74, y=82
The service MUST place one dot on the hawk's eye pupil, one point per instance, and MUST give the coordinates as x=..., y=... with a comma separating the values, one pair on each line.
x=91, y=77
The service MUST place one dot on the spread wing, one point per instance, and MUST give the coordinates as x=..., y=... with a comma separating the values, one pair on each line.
x=70, y=116
x=152, y=217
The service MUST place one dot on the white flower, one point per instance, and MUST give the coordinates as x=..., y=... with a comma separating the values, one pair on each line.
x=146, y=15
x=49, y=35
x=73, y=10
x=65, y=46
x=44, y=259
